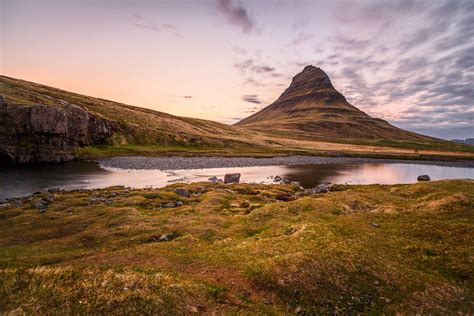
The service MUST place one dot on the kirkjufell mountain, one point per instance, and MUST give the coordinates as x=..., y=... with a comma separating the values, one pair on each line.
x=311, y=107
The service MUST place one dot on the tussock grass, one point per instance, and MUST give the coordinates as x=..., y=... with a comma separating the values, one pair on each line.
x=243, y=248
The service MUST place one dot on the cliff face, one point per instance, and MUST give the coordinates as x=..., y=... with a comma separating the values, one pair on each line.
x=39, y=122
x=41, y=133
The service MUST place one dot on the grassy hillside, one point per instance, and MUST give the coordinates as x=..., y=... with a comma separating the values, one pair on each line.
x=138, y=126
x=146, y=132
x=242, y=248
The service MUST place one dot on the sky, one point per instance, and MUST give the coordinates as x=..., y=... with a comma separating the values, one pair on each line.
x=409, y=62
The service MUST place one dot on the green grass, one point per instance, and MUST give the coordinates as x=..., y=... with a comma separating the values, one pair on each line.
x=100, y=151
x=243, y=251
x=442, y=145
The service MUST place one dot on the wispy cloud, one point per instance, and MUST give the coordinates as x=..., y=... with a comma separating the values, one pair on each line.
x=250, y=66
x=422, y=78
x=301, y=38
x=236, y=15
x=179, y=96
x=251, y=98
x=141, y=22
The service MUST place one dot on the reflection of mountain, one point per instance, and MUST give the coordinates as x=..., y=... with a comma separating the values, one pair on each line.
x=311, y=175
x=370, y=173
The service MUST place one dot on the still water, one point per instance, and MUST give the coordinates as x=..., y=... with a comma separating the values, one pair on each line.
x=21, y=181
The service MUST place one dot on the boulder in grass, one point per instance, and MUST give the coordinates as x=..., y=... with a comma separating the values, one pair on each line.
x=182, y=192
x=232, y=178
x=215, y=180
x=424, y=177
x=168, y=237
x=322, y=188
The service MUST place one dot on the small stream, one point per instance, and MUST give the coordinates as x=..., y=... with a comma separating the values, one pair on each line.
x=24, y=180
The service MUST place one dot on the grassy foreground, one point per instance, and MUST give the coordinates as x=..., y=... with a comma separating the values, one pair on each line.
x=241, y=248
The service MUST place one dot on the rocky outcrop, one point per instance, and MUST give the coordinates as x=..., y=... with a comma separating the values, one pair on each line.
x=41, y=133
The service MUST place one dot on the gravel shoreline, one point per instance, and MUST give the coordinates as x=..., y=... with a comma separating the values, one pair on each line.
x=178, y=163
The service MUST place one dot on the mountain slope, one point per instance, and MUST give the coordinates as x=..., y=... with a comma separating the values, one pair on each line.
x=41, y=123
x=312, y=107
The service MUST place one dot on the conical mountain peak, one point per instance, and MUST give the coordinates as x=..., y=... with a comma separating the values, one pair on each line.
x=309, y=81
x=312, y=107
x=312, y=72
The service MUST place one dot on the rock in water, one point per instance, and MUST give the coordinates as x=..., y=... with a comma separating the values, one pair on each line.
x=232, y=178
x=424, y=177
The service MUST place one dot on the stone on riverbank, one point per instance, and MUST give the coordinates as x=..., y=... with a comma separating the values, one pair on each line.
x=424, y=177
x=322, y=188
x=232, y=178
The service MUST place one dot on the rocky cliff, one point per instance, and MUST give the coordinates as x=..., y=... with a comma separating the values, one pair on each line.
x=42, y=123
x=40, y=133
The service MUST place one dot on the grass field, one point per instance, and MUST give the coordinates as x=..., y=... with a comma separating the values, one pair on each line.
x=282, y=147
x=242, y=248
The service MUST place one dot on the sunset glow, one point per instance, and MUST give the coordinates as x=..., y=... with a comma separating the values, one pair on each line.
x=409, y=62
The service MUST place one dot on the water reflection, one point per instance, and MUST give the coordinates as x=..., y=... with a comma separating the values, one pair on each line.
x=24, y=180
x=369, y=173
x=20, y=181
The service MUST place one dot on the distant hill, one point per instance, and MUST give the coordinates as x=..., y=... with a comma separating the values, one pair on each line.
x=311, y=107
x=41, y=123
x=467, y=141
